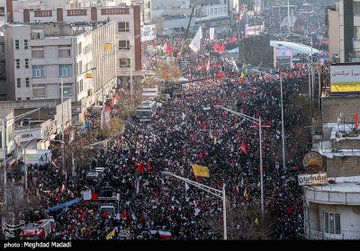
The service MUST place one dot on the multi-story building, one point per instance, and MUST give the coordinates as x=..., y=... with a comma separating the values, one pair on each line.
x=343, y=21
x=173, y=16
x=46, y=57
x=332, y=210
x=127, y=19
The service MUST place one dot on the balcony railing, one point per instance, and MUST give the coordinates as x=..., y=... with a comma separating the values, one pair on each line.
x=321, y=235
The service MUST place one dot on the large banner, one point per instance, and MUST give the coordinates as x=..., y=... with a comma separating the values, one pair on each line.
x=345, y=79
x=254, y=30
x=148, y=32
x=41, y=157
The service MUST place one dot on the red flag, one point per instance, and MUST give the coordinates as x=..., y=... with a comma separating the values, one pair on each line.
x=202, y=126
x=140, y=167
x=94, y=196
x=232, y=39
x=356, y=120
x=243, y=147
x=123, y=214
x=168, y=49
x=148, y=166
x=219, y=75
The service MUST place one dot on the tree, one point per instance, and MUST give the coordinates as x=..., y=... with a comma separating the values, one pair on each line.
x=168, y=70
x=244, y=221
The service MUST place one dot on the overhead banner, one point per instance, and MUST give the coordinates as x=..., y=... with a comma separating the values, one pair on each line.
x=148, y=32
x=254, y=30
x=34, y=156
x=312, y=179
x=345, y=79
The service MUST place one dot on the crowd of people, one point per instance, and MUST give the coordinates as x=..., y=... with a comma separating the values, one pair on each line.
x=188, y=129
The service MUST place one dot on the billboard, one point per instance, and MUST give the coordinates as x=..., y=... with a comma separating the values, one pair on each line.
x=345, y=79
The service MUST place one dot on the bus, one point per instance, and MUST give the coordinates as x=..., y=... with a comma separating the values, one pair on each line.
x=146, y=110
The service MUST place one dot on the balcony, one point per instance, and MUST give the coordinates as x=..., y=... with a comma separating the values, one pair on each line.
x=321, y=235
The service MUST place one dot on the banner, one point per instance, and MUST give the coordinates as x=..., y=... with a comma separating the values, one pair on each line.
x=148, y=32
x=254, y=30
x=202, y=171
x=212, y=33
x=196, y=42
x=344, y=79
x=34, y=156
x=312, y=179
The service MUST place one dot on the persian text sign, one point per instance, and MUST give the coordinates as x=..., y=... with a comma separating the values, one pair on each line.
x=312, y=179
x=345, y=79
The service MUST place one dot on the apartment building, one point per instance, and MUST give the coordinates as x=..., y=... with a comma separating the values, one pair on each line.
x=332, y=209
x=127, y=19
x=42, y=58
x=343, y=20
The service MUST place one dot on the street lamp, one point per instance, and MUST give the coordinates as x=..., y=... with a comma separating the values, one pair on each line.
x=257, y=122
x=216, y=192
x=4, y=147
x=62, y=131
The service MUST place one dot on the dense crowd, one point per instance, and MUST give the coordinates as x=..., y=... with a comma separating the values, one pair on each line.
x=191, y=129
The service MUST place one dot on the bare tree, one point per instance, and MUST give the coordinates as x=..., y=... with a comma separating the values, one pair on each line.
x=244, y=221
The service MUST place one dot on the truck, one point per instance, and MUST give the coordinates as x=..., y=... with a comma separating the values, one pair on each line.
x=40, y=230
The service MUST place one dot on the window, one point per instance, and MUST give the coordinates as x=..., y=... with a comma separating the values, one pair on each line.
x=80, y=67
x=124, y=63
x=2, y=48
x=332, y=223
x=27, y=82
x=26, y=63
x=17, y=44
x=18, y=83
x=17, y=63
x=123, y=26
x=81, y=85
x=124, y=45
x=38, y=71
x=37, y=52
x=2, y=11
x=356, y=8
x=26, y=44
x=64, y=51
x=19, y=99
x=67, y=91
x=65, y=70
x=27, y=98
x=79, y=48
x=39, y=91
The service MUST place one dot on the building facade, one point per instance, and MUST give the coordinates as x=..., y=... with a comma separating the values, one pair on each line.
x=343, y=21
x=332, y=210
x=48, y=57
x=127, y=19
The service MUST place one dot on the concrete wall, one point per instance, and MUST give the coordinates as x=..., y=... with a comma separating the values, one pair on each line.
x=333, y=106
x=342, y=166
x=334, y=33
x=349, y=220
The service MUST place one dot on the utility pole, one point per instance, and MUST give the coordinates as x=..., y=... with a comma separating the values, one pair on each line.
x=62, y=132
x=288, y=9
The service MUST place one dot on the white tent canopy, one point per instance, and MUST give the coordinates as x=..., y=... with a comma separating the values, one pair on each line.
x=294, y=47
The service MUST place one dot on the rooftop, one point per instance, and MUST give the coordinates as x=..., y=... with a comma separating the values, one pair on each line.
x=349, y=184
